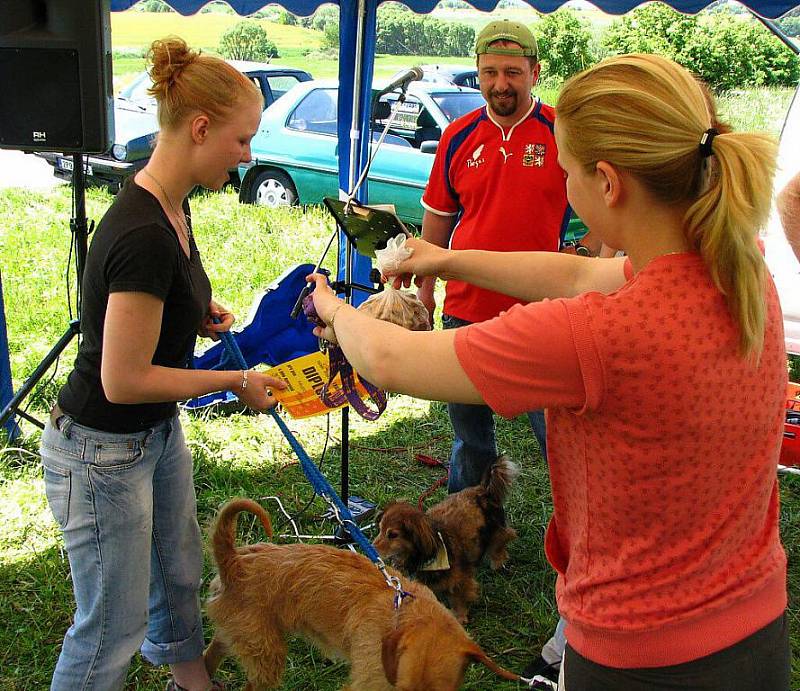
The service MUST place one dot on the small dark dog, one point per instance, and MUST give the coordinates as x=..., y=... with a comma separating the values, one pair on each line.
x=443, y=547
x=337, y=600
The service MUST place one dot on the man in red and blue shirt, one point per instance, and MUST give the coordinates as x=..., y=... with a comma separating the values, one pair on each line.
x=495, y=185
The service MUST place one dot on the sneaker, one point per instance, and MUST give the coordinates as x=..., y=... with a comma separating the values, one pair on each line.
x=541, y=668
x=216, y=685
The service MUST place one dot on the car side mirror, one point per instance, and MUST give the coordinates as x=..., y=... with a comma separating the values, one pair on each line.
x=429, y=147
x=381, y=110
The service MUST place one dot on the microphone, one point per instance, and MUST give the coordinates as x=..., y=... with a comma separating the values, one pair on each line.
x=412, y=75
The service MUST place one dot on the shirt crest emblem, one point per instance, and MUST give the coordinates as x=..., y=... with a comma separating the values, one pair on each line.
x=534, y=155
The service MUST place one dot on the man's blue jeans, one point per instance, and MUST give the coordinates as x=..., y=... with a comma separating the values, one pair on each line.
x=126, y=506
x=474, y=444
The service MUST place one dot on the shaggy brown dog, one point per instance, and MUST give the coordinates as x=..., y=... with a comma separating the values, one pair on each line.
x=469, y=524
x=337, y=600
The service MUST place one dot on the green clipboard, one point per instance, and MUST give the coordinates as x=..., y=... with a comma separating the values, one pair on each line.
x=368, y=228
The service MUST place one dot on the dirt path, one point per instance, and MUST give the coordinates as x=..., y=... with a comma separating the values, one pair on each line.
x=18, y=169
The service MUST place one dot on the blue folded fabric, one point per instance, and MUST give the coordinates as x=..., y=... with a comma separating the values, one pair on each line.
x=269, y=335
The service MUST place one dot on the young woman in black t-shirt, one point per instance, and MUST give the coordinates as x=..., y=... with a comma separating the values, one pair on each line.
x=118, y=473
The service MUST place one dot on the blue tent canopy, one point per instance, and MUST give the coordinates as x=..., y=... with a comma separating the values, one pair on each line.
x=357, y=31
x=766, y=8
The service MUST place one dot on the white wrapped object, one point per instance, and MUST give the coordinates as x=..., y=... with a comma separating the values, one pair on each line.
x=396, y=253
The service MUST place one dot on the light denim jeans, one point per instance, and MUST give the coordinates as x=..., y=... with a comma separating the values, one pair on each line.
x=474, y=444
x=127, y=509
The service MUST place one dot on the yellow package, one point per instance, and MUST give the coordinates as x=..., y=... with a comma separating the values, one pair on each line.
x=305, y=377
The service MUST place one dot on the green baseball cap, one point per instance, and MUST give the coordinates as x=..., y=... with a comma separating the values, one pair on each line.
x=506, y=30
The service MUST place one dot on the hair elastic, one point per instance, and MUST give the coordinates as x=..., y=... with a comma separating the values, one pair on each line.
x=705, y=142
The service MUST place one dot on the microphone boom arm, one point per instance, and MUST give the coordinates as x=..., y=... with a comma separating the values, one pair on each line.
x=374, y=149
x=414, y=74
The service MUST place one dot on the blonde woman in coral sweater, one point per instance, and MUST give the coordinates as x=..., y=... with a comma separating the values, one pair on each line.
x=665, y=527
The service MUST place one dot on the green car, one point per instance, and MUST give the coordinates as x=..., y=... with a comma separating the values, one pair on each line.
x=296, y=150
x=295, y=153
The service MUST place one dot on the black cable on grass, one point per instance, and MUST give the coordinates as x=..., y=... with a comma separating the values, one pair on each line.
x=42, y=385
x=72, y=248
x=73, y=251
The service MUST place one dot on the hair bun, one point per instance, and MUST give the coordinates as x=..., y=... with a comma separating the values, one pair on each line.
x=168, y=57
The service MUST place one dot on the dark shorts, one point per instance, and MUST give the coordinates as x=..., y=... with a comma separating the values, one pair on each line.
x=761, y=662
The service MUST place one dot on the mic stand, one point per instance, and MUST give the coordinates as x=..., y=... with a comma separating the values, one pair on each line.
x=360, y=508
x=298, y=305
x=80, y=233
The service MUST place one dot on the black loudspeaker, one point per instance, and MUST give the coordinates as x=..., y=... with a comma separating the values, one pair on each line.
x=56, y=89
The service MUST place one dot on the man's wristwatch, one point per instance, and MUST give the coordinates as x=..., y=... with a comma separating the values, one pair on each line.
x=575, y=246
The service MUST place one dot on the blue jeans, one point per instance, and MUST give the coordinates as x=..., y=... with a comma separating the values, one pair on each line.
x=126, y=506
x=474, y=444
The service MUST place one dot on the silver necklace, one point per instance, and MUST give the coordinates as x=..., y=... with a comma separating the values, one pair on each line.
x=183, y=223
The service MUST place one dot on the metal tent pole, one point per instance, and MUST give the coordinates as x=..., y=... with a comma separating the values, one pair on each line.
x=354, y=170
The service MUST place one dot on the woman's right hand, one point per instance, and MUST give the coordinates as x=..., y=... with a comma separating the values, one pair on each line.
x=427, y=260
x=258, y=394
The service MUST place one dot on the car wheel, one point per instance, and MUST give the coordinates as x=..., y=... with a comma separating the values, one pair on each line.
x=273, y=188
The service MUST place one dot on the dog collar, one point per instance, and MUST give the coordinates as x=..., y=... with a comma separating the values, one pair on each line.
x=440, y=562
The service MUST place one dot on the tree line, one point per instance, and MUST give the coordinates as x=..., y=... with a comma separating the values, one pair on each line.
x=727, y=49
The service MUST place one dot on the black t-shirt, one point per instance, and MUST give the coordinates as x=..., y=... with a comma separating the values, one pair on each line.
x=135, y=249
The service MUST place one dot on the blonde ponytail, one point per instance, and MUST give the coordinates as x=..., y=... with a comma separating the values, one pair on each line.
x=646, y=115
x=723, y=226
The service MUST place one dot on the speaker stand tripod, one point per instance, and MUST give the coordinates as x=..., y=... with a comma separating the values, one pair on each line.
x=80, y=238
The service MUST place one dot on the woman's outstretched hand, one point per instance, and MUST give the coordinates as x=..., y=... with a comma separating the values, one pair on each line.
x=326, y=304
x=427, y=260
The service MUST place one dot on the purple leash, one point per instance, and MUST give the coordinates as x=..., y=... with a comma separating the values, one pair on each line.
x=338, y=364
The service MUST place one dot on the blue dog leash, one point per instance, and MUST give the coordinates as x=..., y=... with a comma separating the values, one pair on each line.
x=320, y=483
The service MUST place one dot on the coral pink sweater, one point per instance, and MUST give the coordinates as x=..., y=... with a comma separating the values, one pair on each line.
x=663, y=445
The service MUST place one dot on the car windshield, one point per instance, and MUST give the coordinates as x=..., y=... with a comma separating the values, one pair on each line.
x=435, y=78
x=460, y=103
x=137, y=91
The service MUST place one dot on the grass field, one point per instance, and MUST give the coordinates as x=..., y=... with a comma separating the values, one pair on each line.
x=299, y=47
x=133, y=31
x=244, y=249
